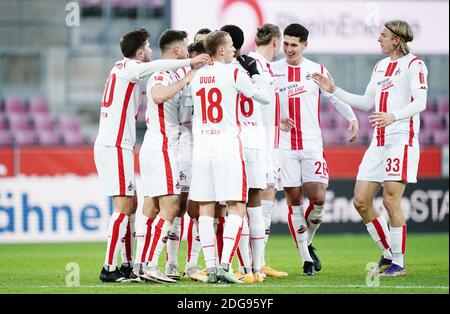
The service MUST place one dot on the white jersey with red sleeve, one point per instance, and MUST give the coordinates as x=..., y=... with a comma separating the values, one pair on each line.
x=271, y=112
x=393, y=84
x=214, y=92
x=122, y=97
x=162, y=119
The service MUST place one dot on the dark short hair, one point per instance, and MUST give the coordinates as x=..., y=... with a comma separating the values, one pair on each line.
x=170, y=36
x=132, y=41
x=197, y=47
x=297, y=30
x=213, y=40
x=203, y=31
x=236, y=33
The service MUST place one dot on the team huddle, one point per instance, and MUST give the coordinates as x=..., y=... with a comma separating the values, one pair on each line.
x=225, y=131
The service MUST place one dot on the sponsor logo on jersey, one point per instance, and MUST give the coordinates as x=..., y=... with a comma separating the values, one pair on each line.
x=174, y=237
x=131, y=187
x=296, y=91
x=386, y=85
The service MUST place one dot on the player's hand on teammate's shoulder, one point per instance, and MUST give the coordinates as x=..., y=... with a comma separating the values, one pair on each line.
x=354, y=127
x=200, y=60
x=325, y=82
x=249, y=64
x=286, y=124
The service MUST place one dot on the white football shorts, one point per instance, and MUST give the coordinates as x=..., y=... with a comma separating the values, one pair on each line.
x=115, y=168
x=299, y=167
x=159, y=172
x=389, y=163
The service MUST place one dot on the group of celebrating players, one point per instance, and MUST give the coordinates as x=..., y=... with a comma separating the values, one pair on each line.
x=225, y=131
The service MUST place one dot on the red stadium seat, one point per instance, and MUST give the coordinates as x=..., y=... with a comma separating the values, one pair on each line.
x=3, y=122
x=43, y=122
x=25, y=137
x=68, y=122
x=442, y=105
x=432, y=120
x=38, y=105
x=71, y=137
x=326, y=120
x=14, y=104
x=440, y=137
x=6, y=139
x=49, y=138
x=332, y=137
x=425, y=137
x=19, y=121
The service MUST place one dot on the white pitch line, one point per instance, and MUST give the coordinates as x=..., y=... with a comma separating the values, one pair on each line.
x=158, y=286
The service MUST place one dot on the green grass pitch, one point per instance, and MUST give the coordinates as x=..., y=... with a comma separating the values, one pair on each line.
x=41, y=268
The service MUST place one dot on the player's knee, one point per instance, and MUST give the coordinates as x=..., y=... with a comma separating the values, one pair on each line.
x=361, y=204
x=389, y=202
x=293, y=198
x=318, y=199
x=151, y=212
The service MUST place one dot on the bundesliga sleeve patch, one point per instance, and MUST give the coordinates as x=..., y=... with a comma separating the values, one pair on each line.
x=159, y=78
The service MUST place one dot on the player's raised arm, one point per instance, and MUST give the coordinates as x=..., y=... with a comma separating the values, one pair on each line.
x=162, y=92
x=364, y=102
x=146, y=69
x=260, y=91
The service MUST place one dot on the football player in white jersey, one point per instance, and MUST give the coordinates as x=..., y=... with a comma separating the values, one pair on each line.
x=185, y=148
x=268, y=43
x=158, y=155
x=218, y=169
x=113, y=150
x=303, y=166
x=397, y=91
x=219, y=217
x=253, y=143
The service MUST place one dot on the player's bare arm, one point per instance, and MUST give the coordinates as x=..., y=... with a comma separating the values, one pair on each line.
x=200, y=61
x=354, y=128
x=162, y=93
x=363, y=102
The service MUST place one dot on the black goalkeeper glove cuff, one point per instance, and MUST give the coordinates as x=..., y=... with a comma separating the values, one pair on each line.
x=249, y=64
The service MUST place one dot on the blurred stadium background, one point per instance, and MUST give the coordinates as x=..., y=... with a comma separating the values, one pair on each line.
x=55, y=56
